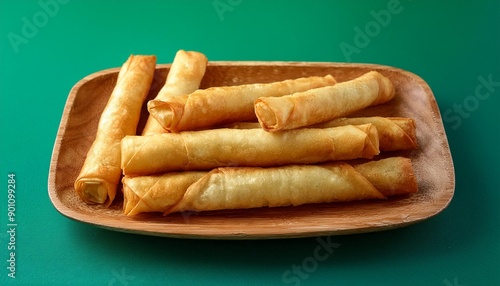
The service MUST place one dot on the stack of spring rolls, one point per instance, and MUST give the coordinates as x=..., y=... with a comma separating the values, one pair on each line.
x=283, y=143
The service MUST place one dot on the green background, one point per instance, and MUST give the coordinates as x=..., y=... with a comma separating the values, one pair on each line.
x=450, y=44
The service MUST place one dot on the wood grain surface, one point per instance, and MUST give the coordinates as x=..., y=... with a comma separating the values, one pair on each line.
x=432, y=161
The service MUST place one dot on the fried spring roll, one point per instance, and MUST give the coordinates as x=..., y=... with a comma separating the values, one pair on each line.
x=323, y=103
x=184, y=77
x=218, y=105
x=101, y=171
x=292, y=185
x=395, y=133
x=208, y=149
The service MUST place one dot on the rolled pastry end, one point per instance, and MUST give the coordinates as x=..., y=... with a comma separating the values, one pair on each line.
x=163, y=112
x=266, y=116
x=94, y=191
x=391, y=176
x=372, y=145
x=386, y=89
x=355, y=141
x=131, y=202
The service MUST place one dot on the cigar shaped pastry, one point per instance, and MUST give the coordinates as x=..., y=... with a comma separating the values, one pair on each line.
x=208, y=149
x=214, y=106
x=395, y=133
x=100, y=173
x=293, y=185
x=184, y=77
x=324, y=103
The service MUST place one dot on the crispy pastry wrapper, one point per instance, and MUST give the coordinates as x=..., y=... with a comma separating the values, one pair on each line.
x=184, y=77
x=324, y=103
x=393, y=176
x=100, y=173
x=213, y=106
x=395, y=133
x=156, y=193
x=252, y=187
x=293, y=185
x=208, y=149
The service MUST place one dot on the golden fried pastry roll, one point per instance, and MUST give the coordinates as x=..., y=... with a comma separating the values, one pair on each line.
x=292, y=185
x=207, y=149
x=395, y=133
x=101, y=171
x=323, y=103
x=156, y=193
x=184, y=77
x=218, y=105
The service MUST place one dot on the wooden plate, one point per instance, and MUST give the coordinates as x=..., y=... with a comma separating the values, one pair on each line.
x=432, y=161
